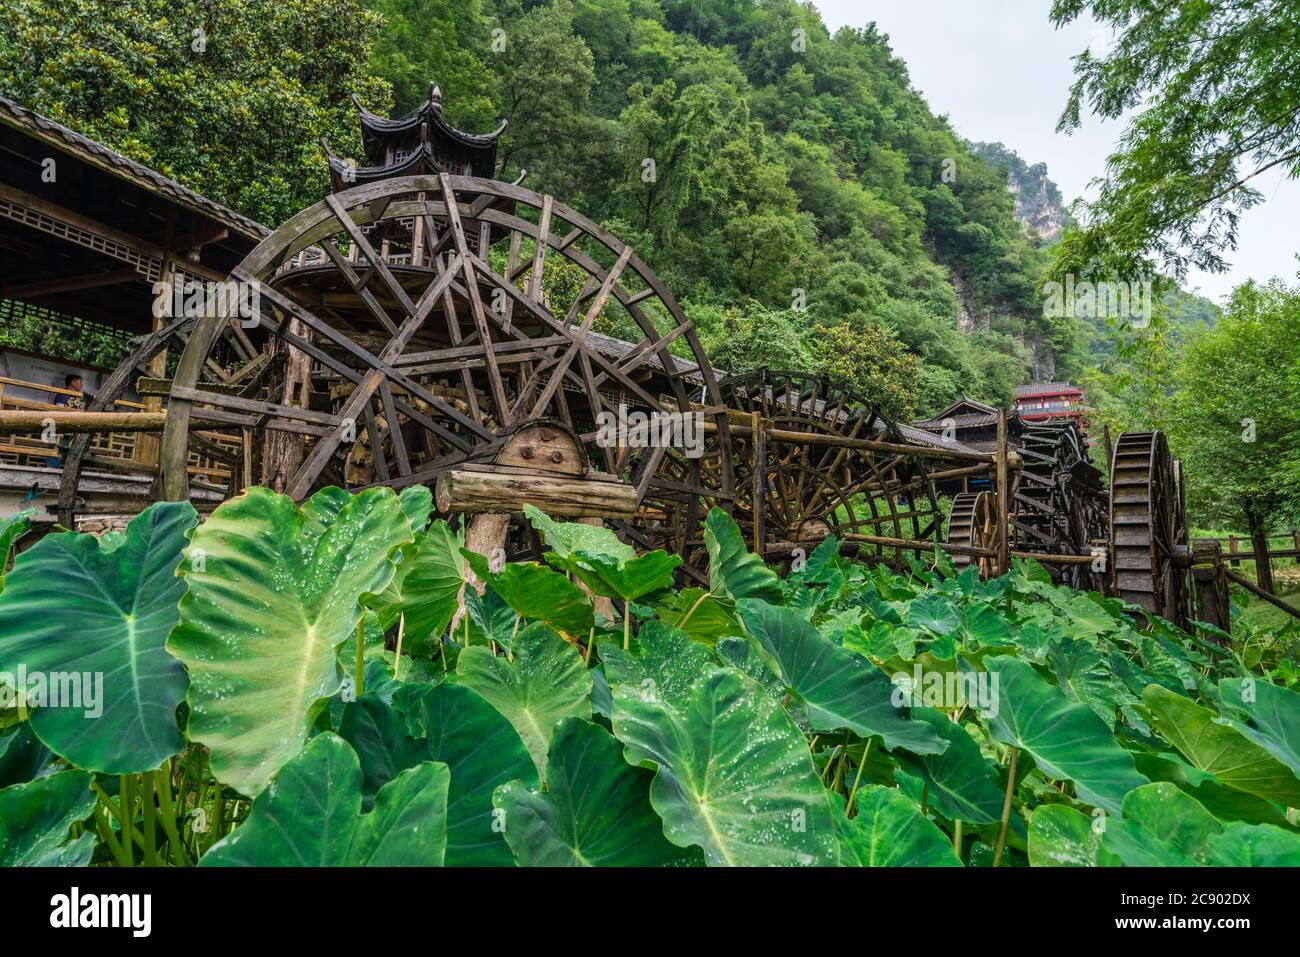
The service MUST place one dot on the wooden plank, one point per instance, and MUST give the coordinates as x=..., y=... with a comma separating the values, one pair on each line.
x=255, y=406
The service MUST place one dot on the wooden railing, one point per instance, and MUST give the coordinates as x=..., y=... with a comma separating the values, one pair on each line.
x=112, y=451
x=1234, y=556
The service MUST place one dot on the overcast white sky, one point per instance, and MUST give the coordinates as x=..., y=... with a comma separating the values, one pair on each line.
x=1001, y=72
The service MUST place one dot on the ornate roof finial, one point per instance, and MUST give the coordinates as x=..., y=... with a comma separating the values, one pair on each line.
x=435, y=97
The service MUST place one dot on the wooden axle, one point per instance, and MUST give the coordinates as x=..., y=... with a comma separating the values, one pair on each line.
x=499, y=490
x=869, y=445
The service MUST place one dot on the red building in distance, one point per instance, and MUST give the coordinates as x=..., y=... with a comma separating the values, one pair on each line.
x=1052, y=402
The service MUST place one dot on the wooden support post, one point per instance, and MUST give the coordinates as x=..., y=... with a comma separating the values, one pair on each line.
x=1108, y=445
x=485, y=534
x=759, y=466
x=1263, y=563
x=148, y=447
x=1003, y=497
x=1211, y=584
x=601, y=603
x=1232, y=551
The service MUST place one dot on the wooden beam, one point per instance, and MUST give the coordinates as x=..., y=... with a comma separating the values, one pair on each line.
x=69, y=283
x=74, y=421
x=474, y=491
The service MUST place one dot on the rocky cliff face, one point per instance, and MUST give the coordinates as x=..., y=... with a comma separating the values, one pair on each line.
x=1039, y=205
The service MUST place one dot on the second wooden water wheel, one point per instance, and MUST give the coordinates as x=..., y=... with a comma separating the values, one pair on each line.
x=972, y=523
x=810, y=481
x=1148, y=527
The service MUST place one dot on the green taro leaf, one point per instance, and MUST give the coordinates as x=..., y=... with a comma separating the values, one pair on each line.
x=1270, y=718
x=492, y=619
x=1084, y=677
x=545, y=682
x=378, y=734
x=321, y=511
x=35, y=818
x=311, y=816
x=1232, y=758
x=700, y=615
x=666, y=662
x=23, y=757
x=889, y=831
x=630, y=580
x=1162, y=827
x=566, y=538
x=733, y=773
x=73, y=609
x=1067, y=740
x=1060, y=836
x=538, y=593
x=595, y=811
x=734, y=572
x=1255, y=845
x=429, y=582
x=11, y=529
x=962, y=783
x=934, y=614
x=984, y=625
x=264, y=618
x=417, y=504
x=839, y=688
x=483, y=752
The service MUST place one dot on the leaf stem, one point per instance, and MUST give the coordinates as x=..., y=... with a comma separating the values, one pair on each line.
x=149, y=819
x=397, y=655
x=1006, y=808
x=360, y=678
x=105, y=828
x=857, y=778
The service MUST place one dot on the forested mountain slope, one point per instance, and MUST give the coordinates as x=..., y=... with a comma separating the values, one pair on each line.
x=799, y=197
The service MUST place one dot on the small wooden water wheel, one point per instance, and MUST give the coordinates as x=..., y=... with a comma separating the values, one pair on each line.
x=807, y=488
x=1058, y=503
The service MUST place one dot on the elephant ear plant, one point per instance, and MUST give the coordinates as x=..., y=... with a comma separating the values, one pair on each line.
x=282, y=685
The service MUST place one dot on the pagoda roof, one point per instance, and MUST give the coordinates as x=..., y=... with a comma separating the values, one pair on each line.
x=375, y=128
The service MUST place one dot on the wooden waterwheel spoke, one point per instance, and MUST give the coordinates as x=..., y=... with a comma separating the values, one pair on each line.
x=363, y=390
x=381, y=364
x=496, y=387
x=563, y=363
x=542, y=314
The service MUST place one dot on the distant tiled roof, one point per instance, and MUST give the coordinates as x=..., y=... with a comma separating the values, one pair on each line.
x=1044, y=388
x=97, y=154
x=924, y=437
x=617, y=348
x=967, y=421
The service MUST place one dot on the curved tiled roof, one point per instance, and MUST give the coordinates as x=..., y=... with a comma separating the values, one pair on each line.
x=97, y=154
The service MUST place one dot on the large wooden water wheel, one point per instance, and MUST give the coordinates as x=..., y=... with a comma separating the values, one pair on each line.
x=1058, y=503
x=1148, y=527
x=409, y=332
x=808, y=489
